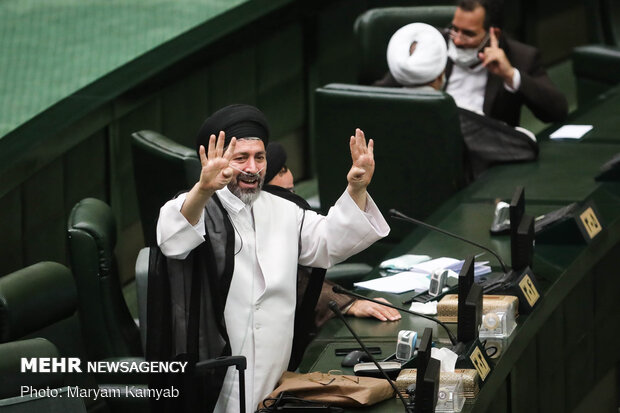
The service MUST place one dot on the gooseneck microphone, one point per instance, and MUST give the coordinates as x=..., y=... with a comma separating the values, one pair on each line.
x=339, y=290
x=399, y=215
x=336, y=310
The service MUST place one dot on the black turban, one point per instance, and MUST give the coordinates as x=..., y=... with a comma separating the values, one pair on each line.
x=276, y=159
x=238, y=120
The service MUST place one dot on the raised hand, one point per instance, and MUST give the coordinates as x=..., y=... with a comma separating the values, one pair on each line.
x=216, y=172
x=495, y=60
x=363, y=167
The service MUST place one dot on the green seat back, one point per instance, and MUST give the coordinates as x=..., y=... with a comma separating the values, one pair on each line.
x=374, y=28
x=596, y=69
x=40, y=301
x=162, y=168
x=12, y=380
x=418, y=146
x=106, y=322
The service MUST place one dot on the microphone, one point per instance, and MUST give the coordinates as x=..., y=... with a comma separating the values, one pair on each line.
x=399, y=215
x=339, y=290
x=336, y=310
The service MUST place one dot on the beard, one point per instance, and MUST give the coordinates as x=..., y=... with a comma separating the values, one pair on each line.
x=246, y=195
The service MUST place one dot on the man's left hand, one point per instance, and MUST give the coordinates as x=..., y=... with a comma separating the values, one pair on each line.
x=363, y=167
x=363, y=308
x=495, y=60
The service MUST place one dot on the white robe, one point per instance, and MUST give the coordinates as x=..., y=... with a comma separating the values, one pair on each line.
x=260, y=307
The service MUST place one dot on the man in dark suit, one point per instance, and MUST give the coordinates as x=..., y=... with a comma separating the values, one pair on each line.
x=491, y=73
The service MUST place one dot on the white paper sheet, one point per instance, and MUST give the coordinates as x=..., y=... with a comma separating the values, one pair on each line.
x=399, y=283
x=571, y=132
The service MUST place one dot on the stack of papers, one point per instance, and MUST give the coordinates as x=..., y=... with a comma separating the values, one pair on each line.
x=403, y=263
x=418, y=276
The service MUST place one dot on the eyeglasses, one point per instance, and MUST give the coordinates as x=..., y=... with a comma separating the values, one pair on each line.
x=465, y=34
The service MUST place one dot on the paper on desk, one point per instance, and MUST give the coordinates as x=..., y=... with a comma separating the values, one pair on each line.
x=398, y=283
x=571, y=132
x=480, y=267
x=404, y=262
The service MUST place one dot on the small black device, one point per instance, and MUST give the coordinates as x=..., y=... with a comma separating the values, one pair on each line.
x=470, y=319
x=466, y=280
x=522, y=244
x=336, y=310
x=425, y=398
x=355, y=357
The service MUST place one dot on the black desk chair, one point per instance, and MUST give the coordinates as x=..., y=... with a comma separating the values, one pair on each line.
x=419, y=148
x=12, y=379
x=162, y=168
x=374, y=28
x=597, y=69
x=41, y=301
x=106, y=321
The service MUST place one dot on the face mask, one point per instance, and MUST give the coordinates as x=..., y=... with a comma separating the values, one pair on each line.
x=466, y=57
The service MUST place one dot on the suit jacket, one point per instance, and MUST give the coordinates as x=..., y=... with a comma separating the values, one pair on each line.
x=536, y=91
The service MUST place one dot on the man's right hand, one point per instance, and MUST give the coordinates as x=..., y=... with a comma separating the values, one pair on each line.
x=216, y=172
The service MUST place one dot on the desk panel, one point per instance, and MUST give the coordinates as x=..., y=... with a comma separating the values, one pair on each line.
x=603, y=113
x=564, y=173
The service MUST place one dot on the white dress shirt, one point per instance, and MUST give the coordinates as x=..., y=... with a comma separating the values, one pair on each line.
x=467, y=86
x=260, y=307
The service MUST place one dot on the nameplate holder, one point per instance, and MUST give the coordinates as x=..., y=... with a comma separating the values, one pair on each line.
x=474, y=356
x=525, y=286
x=581, y=226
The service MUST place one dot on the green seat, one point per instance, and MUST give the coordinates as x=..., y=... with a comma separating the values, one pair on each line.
x=162, y=168
x=596, y=68
x=40, y=301
x=374, y=28
x=34, y=298
x=12, y=379
x=419, y=148
x=108, y=327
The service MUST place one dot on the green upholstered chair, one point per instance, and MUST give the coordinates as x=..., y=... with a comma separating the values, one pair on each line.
x=419, y=148
x=374, y=28
x=162, y=168
x=41, y=301
x=36, y=297
x=108, y=327
x=11, y=380
x=596, y=68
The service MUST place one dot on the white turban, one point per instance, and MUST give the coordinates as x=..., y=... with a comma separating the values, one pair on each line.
x=427, y=61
